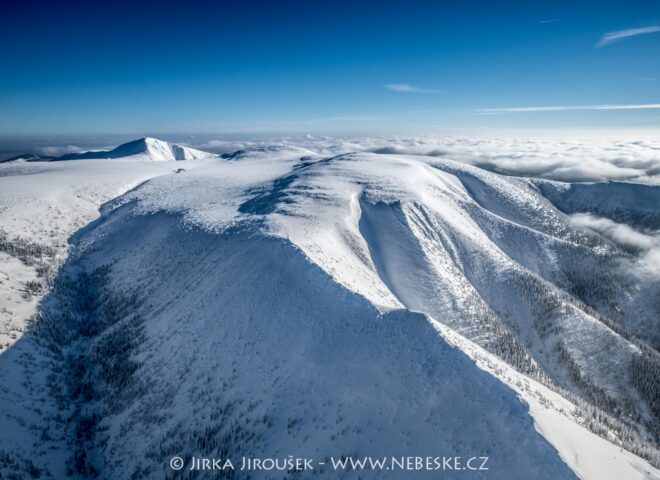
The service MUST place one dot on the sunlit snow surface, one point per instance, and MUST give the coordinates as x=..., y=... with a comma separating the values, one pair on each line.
x=272, y=292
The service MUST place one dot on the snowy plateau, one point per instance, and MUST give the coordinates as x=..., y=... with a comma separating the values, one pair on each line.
x=327, y=298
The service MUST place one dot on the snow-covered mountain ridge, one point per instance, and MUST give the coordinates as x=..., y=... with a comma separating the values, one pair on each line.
x=342, y=278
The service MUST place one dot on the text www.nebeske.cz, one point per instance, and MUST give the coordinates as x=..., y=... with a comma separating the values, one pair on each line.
x=343, y=463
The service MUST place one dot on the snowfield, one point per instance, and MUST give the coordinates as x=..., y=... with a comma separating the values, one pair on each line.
x=323, y=298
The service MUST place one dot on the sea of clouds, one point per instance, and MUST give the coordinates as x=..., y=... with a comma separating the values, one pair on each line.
x=563, y=160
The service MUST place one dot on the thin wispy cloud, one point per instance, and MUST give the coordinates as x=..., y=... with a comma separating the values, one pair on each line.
x=550, y=20
x=559, y=108
x=619, y=35
x=348, y=118
x=407, y=88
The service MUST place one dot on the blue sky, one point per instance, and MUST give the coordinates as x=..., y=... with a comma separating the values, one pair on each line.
x=327, y=67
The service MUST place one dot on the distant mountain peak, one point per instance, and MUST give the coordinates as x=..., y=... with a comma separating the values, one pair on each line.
x=146, y=148
x=142, y=149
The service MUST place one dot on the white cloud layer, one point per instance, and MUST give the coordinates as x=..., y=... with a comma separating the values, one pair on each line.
x=56, y=151
x=619, y=35
x=564, y=160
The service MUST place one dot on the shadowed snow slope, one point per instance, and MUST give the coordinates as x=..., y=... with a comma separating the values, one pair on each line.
x=239, y=345
x=279, y=302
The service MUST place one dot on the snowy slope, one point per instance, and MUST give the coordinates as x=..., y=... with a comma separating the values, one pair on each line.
x=559, y=421
x=333, y=275
x=41, y=205
x=256, y=375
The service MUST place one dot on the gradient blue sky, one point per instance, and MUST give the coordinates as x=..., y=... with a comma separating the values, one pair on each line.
x=324, y=67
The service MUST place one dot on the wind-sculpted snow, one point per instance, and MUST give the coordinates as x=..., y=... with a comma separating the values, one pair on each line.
x=287, y=299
